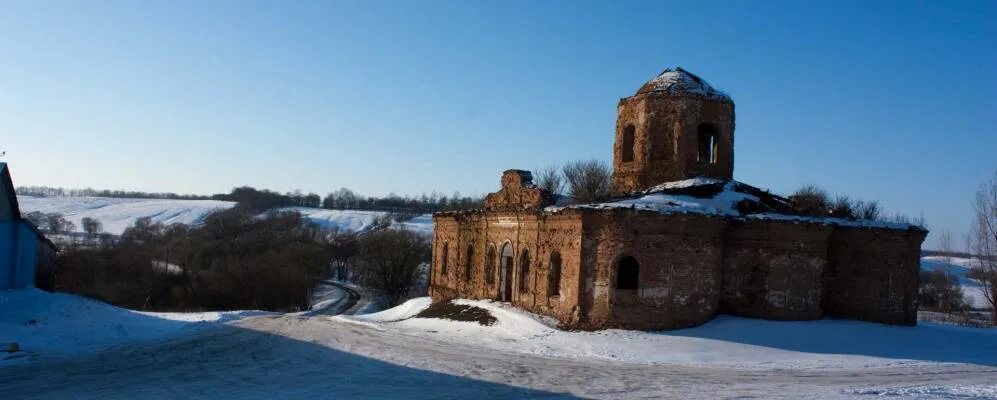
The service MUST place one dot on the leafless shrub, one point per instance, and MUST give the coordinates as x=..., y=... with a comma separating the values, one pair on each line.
x=811, y=200
x=587, y=181
x=550, y=180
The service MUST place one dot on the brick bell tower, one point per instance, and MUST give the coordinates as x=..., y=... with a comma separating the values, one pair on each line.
x=675, y=127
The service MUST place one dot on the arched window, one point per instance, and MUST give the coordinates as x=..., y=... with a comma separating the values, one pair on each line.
x=444, y=258
x=627, y=147
x=505, y=273
x=554, y=276
x=490, y=265
x=524, y=271
x=627, y=274
x=469, y=263
x=707, y=149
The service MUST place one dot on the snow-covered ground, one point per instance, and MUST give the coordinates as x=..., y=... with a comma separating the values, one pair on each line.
x=959, y=266
x=55, y=324
x=116, y=214
x=727, y=341
x=89, y=350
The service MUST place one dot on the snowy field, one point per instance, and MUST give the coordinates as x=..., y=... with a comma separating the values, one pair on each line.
x=81, y=349
x=116, y=215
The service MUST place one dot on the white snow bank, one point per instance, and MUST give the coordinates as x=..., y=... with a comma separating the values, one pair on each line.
x=116, y=215
x=725, y=341
x=56, y=324
x=402, y=311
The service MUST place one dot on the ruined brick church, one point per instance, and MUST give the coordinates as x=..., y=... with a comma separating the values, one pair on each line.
x=680, y=241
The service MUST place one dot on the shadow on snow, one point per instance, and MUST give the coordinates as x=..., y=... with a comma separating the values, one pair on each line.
x=925, y=342
x=222, y=362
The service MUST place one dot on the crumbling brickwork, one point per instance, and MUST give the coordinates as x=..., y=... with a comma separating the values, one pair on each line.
x=637, y=268
x=666, y=129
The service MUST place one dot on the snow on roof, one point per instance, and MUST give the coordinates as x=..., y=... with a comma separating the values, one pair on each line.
x=680, y=81
x=709, y=196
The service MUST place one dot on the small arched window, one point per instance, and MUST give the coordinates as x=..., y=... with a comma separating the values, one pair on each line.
x=524, y=271
x=469, y=263
x=490, y=265
x=627, y=147
x=708, y=144
x=444, y=258
x=627, y=274
x=554, y=277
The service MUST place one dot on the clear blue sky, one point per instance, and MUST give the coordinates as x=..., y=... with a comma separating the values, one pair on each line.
x=892, y=101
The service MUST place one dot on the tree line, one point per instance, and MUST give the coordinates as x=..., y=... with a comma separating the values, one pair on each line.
x=237, y=260
x=264, y=199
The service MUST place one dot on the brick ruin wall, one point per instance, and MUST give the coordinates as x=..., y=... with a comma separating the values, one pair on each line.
x=774, y=269
x=538, y=236
x=692, y=267
x=679, y=269
x=873, y=274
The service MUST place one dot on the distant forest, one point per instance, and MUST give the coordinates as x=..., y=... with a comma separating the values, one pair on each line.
x=263, y=199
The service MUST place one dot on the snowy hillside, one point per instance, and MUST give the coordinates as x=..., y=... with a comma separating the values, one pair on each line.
x=118, y=214
x=958, y=266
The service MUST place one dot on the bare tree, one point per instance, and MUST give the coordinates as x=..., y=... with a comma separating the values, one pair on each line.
x=867, y=209
x=389, y=260
x=56, y=223
x=91, y=226
x=549, y=179
x=587, y=181
x=945, y=247
x=982, y=242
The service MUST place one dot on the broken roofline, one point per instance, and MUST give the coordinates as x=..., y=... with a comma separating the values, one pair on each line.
x=698, y=196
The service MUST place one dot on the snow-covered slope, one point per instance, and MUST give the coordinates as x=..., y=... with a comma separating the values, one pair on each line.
x=55, y=324
x=116, y=215
x=725, y=341
x=959, y=266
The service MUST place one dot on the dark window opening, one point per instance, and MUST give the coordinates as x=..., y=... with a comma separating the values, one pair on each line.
x=708, y=144
x=490, y=265
x=505, y=273
x=554, y=278
x=469, y=263
x=524, y=271
x=627, y=274
x=443, y=259
x=627, y=150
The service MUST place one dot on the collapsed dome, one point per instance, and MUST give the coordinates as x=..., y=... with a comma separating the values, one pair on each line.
x=681, y=82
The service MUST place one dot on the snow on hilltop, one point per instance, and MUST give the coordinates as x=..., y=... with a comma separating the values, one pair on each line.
x=116, y=214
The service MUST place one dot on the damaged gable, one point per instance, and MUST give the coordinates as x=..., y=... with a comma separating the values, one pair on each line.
x=517, y=193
